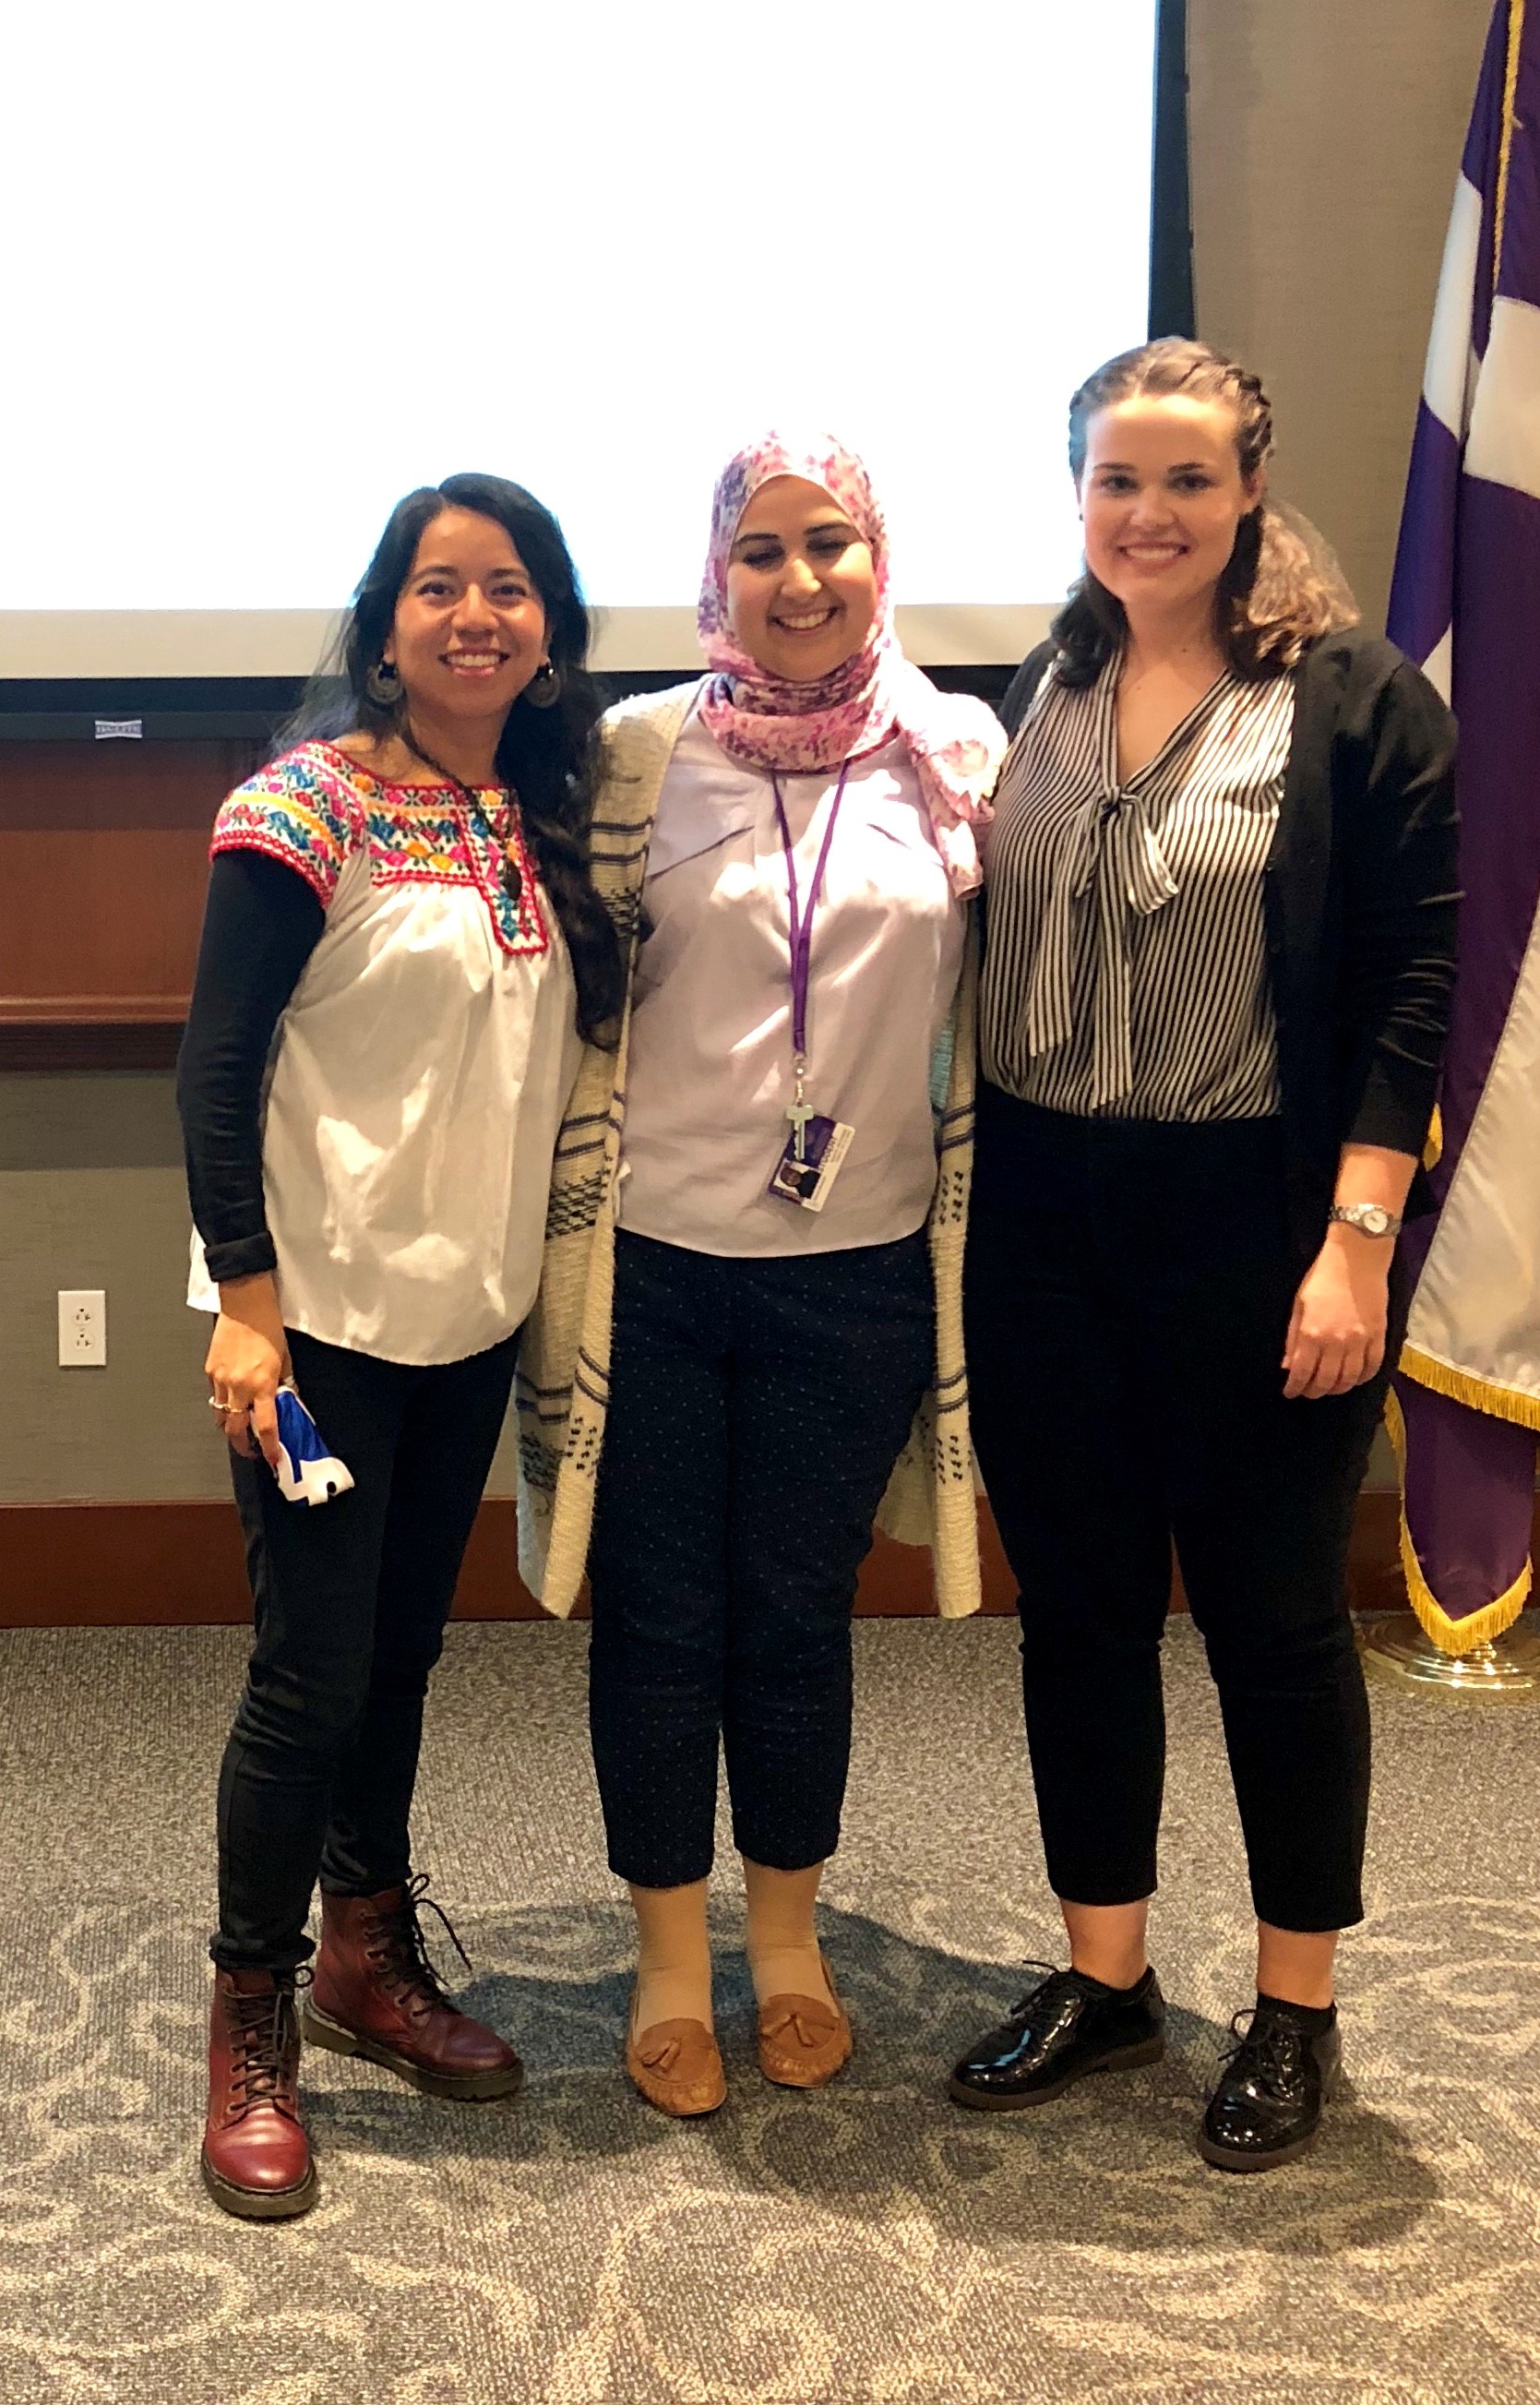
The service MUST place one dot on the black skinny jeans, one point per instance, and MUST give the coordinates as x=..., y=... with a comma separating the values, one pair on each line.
x=756, y=1411
x=351, y=1599
x=1129, y=1291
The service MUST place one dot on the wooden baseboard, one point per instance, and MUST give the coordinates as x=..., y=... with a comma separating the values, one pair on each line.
x=50, y=1046
x=180, y=1565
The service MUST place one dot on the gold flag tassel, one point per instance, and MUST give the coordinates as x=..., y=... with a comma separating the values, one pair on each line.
x=1474, y=1655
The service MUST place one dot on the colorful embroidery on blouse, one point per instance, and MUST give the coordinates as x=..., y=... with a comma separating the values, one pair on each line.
x=297, y=809
x=315, y=806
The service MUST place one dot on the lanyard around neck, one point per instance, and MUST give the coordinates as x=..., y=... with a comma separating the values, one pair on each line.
x=802, y=920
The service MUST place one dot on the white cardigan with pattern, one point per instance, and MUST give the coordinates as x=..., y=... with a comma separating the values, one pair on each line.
x=563, y=1387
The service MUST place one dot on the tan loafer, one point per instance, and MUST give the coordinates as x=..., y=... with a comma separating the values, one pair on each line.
x=676, y=2065
x=804, y=2041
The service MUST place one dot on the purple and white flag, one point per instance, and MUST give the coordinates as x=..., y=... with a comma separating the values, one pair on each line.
x=1465, y=604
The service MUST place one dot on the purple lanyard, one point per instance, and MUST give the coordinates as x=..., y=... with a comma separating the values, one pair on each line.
x=802, y=924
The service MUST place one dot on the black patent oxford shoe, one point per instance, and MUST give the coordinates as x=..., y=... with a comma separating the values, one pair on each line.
x=1271, y=2092
x=1067, y=2026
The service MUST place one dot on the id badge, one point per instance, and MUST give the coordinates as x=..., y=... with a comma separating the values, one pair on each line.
x=806, y=1183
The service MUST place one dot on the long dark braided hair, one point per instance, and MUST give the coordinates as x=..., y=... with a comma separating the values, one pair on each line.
x=549, y=757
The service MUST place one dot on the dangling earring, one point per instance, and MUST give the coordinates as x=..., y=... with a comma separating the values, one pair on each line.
x=383, y=684
x=544, y=689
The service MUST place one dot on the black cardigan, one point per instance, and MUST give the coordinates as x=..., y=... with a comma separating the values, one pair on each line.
x=1360, y=897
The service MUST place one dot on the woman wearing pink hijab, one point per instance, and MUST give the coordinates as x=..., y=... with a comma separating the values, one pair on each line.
x=784, y=1188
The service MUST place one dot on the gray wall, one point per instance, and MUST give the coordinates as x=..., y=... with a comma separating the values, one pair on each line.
x=1326, y=140
x=1326, y=135
x=92, y=1195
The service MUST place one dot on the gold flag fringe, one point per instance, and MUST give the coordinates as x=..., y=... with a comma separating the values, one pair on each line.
x=1510, y=118
x=1475, y=1627
x=1465, y=1386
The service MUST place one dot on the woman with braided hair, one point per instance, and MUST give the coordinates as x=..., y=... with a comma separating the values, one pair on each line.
x=1221, y=890
x=401, y=951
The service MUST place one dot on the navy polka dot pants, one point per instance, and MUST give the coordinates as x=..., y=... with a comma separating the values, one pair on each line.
x=756, y=1411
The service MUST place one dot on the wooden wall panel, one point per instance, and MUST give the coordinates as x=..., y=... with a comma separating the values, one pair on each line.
x=103, y=866
x=118, y=785
x=113, y=1564
x=100, y=924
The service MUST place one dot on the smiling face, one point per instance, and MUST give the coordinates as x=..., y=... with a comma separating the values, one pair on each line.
x=801, y=585
x=470, y=628
x=1161, y=496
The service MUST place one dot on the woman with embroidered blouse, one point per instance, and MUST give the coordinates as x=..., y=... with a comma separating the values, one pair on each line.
x=1221, y=941
x=401, y=952
x=785, y=1278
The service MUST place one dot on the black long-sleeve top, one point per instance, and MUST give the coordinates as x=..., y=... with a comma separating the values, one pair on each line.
x=262, y=923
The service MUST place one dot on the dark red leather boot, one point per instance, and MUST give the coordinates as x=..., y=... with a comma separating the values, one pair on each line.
x=376, y=1994
x=256, y=2155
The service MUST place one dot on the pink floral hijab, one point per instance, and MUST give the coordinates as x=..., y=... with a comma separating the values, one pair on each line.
x=955, y=743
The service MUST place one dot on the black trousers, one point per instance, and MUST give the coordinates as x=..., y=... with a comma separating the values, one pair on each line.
x=1129, y=1291
x=351, y=1599
x=756, y=1411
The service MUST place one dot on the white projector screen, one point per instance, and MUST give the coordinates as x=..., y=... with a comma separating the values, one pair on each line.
x=271, y=266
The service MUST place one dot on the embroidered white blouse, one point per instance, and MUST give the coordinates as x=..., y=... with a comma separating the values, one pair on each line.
x=709, y=1071
x=420, y=1070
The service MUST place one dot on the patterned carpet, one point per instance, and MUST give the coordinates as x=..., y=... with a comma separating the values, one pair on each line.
x=869, y=2244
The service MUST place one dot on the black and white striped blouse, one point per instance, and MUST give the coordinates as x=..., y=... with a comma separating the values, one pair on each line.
x=1126, y=969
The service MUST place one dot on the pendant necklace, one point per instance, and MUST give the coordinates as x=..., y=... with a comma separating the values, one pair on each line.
x=510, y=877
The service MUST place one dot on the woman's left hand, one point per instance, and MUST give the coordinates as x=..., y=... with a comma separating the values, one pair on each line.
x=1336, y=1331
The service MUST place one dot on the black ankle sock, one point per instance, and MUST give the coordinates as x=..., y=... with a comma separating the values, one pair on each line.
x=1313, y=2018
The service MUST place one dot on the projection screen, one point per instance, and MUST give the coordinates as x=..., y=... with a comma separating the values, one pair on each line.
x=272, y=266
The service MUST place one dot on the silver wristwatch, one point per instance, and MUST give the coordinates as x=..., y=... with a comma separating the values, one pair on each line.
x=1369, y=1219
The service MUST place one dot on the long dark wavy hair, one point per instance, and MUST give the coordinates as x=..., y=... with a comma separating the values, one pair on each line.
x=1275, y=597
x=549, y=757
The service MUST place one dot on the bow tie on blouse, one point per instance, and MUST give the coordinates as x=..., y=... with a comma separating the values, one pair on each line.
x=1112, y=858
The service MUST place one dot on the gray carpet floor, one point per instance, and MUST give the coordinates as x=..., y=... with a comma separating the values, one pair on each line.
x=867, y=2244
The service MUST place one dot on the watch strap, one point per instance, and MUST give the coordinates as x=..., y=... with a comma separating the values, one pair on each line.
x=1366, y=1218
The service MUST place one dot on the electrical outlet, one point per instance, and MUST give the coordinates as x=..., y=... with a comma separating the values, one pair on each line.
x=82, y=1327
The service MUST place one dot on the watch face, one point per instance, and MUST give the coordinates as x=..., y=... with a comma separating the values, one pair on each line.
x=1373, y=1218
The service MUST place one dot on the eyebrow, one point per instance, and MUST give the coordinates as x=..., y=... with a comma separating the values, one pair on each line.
x=1129, y=468
x=836, y=524
x=445, y=568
